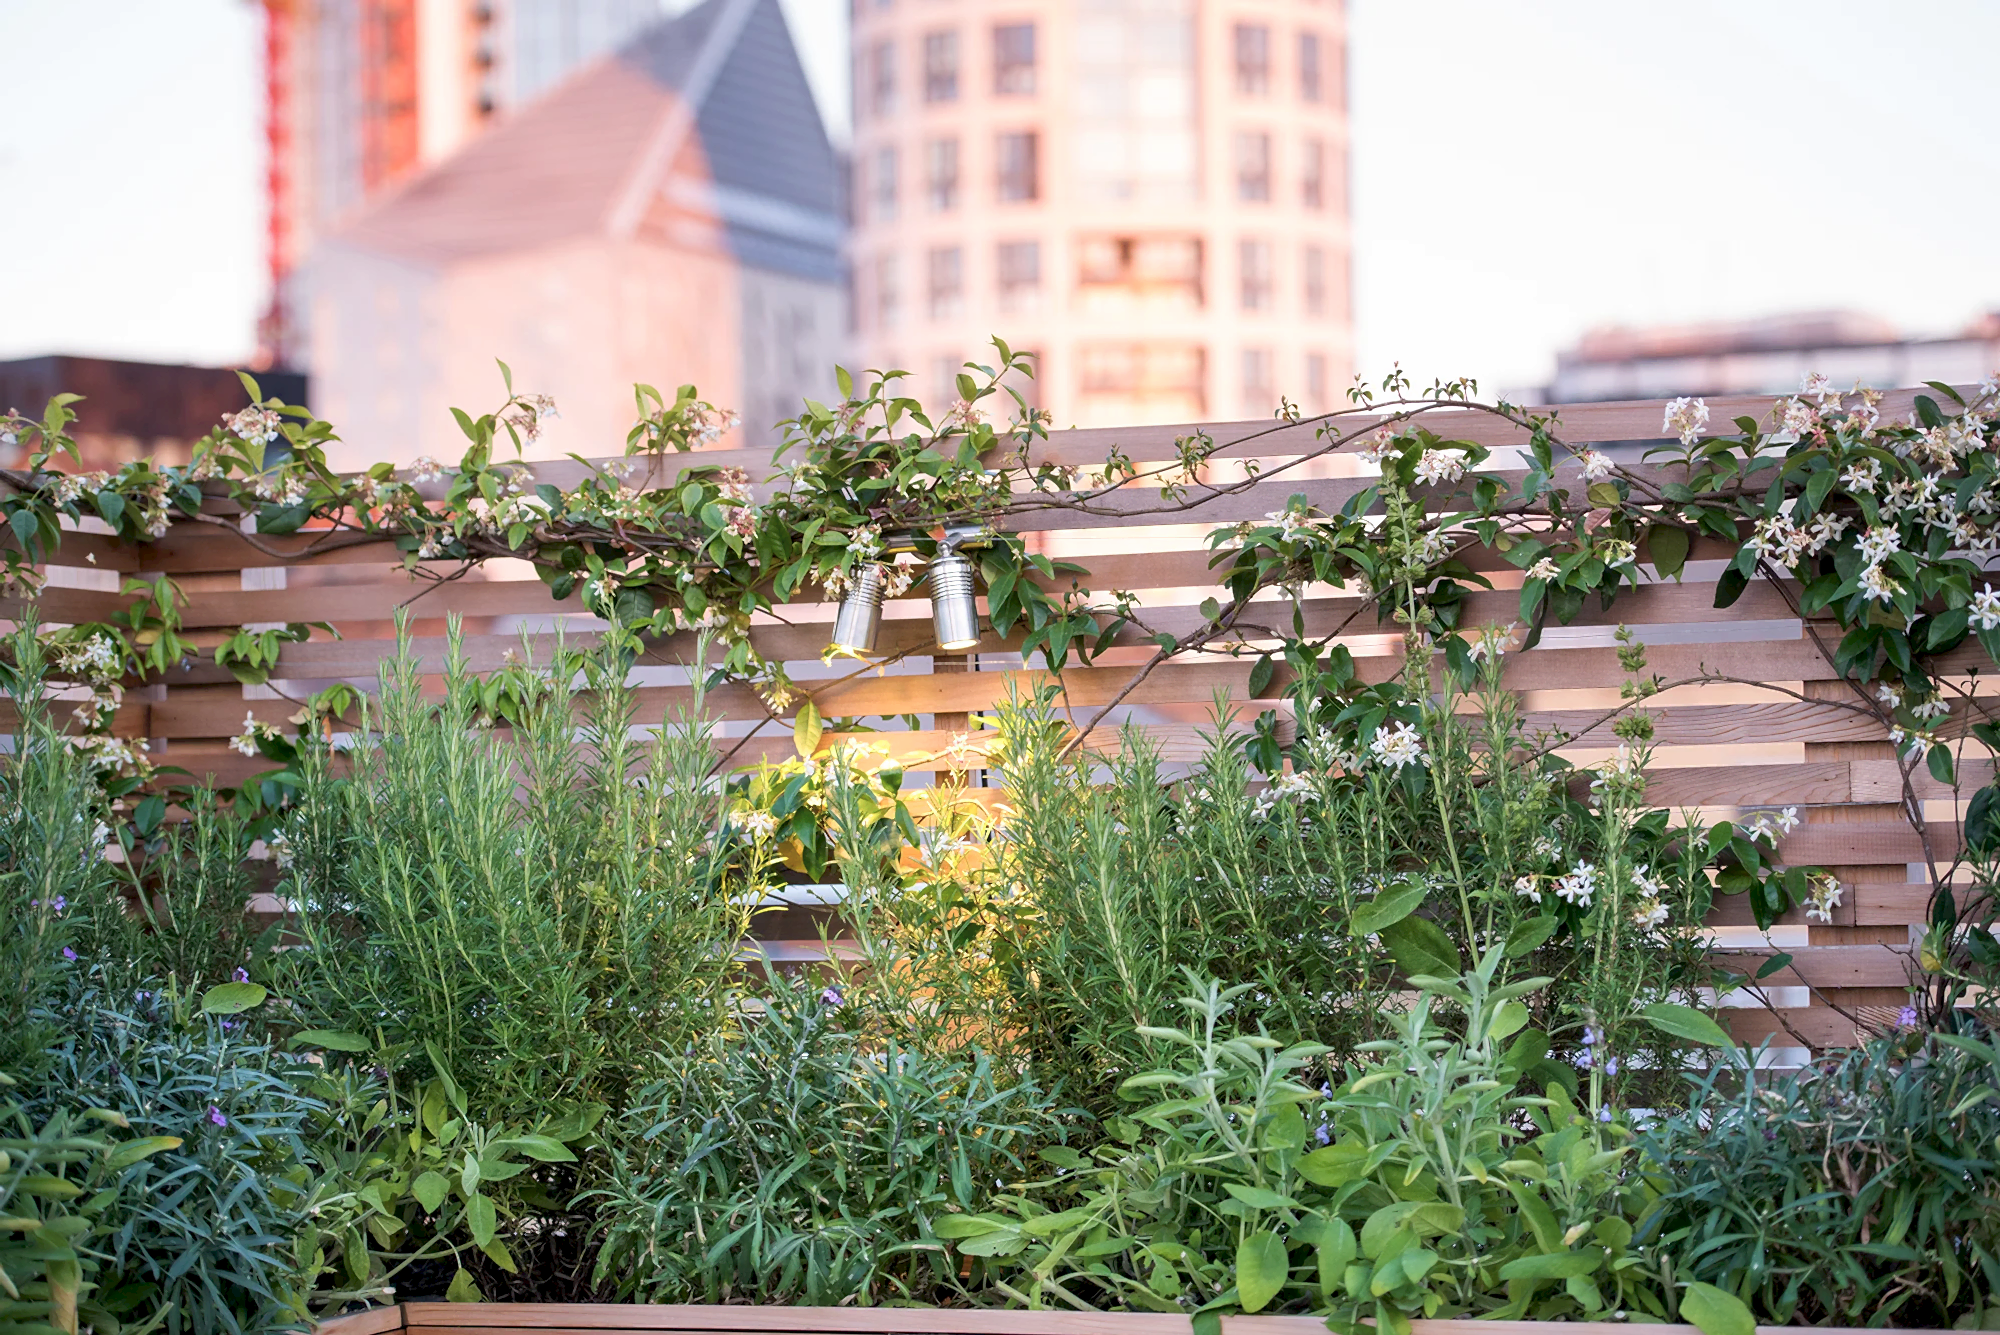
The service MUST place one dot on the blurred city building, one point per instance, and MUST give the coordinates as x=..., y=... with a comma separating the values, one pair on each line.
x=667, y=213
x=361, y=93
x=1765, y=356
x=1151, y=195
x=132, y=410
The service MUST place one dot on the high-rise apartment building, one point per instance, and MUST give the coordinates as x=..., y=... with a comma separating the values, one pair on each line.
x=1151, y=195
x=359, y=94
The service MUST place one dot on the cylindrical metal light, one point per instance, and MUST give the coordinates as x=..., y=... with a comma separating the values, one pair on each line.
x=860, y=616
x=953, y=612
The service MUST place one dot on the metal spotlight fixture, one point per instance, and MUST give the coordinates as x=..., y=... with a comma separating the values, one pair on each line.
x=954, y=614
x=860, y=616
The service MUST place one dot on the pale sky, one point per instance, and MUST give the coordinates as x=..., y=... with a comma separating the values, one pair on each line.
x=1522, y=172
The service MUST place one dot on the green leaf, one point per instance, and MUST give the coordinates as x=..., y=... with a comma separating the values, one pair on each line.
x=1605, y=494
x=1389, y=907
x=232, y=998
x=481, y=1219
x=132, y=1151
x=1668, y=547
x=1685, y=1022
x=1419, y=945
x=1714, y=1312
x=807, y=729
x=463, y=1290
x=1556, y=1265
x=1334, y=1165
x=1260, y=1198
x=1777, y=963
x=430, y=1189
x=545, y=1148
x=26, y=527
x=1261, y=1269
x=335, y=1040
x=1940, y=764
x=1260, y=674
x=1529, y=933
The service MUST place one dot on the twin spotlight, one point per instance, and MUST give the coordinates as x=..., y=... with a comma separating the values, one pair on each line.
x=954, y=614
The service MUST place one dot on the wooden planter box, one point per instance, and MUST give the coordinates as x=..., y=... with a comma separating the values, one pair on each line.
x=573, y=1319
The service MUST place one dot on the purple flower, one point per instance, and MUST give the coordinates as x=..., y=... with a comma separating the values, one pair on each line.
x=242, y=975
x=1611, y=1066
x=832, y=999
x=1906, y=1018
x=1592, y=1036
x=215, y=1116
x=1324, y=1133
x=69, y=954
x=1604, y=1114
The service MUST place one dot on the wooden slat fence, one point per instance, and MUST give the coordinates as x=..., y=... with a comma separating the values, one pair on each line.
x=1723, y=746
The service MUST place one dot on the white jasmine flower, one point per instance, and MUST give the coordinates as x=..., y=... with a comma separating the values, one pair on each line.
x=1985, y=610
x=1546, y=568
x=1685, y=418
x=1877, y=586
x=1878, y=543
x=1395, y=748
x=1578, y=885
x=1441, y=466
x=1528, y=888
x=1381, y=446
x=1596, y=465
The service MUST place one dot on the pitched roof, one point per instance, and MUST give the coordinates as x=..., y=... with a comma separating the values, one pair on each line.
x=586, y=159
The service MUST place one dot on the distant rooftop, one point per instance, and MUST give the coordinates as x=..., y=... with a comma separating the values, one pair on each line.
x=1767, y=355
x=723, y=79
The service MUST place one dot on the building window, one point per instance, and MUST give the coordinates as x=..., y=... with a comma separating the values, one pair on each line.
x=1019, y=172
x=1253, y=262
x=1312, y=172
x=1014, y=59
x=1258, y=394
x=882, y=79
x=1253, y=166
x=941, y=174
x=888, y=292
x=882, y=185
x=1312, y=87
x=1253, y=59
x=947, y=282
x=941, y=67
x=1316, y=400
x=1118, y=382
x=1315, y=280
x=1019, y=272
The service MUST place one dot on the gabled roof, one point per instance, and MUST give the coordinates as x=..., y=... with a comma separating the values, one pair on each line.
x=592, y=155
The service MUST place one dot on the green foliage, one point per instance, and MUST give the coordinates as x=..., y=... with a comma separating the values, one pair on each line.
x=196, y=1236
x=1426, y=1184
x=58, y=1181
x=793, y=1160
x=52, y=869
x=1863, y=1190
x=410, y=1182
x=541, y=907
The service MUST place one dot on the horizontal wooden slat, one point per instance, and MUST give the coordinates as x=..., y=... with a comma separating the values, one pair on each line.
x=1826, y=966
x=844, y=1320
x=1819, y=1026
x=551, y=1319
